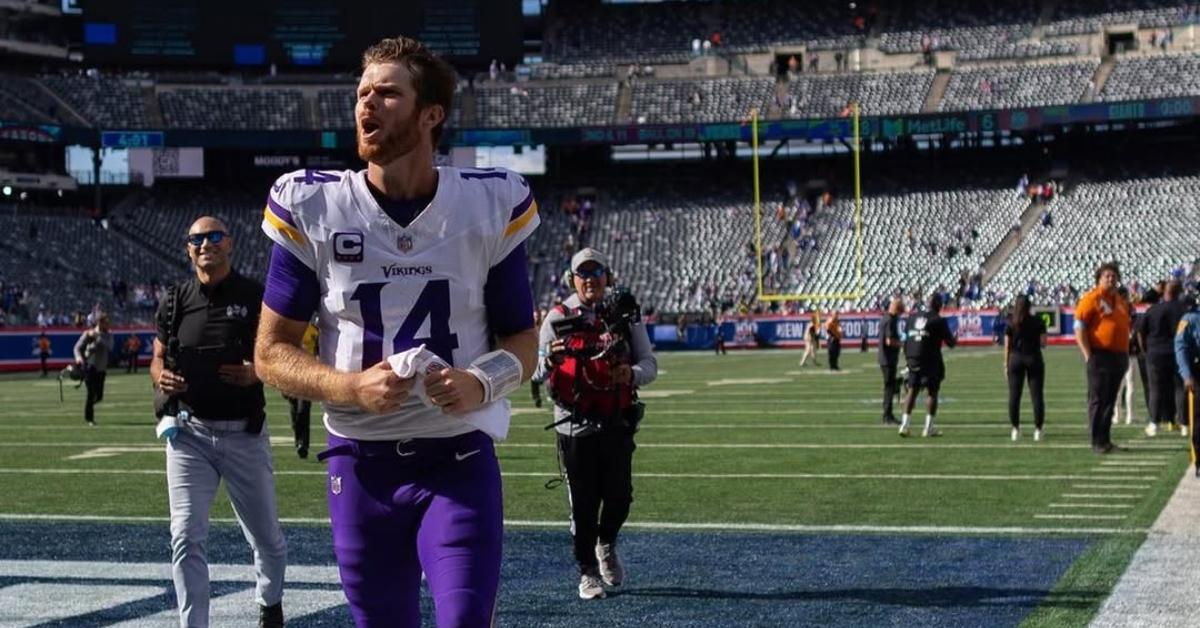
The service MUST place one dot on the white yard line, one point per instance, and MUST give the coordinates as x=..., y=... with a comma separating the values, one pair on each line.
x=1099, y=496
x=1085, y=517
x=1094, y=506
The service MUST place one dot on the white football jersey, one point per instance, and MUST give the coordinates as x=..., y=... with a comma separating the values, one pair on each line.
x=386, y=288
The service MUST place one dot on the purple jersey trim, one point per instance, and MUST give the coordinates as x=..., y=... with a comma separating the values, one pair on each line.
x=280, y=212
x=506, y=295
x=292, y=289
x=520, y=209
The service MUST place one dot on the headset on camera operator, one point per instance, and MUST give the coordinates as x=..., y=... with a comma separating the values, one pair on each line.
x=212, y=409
x=595, y=354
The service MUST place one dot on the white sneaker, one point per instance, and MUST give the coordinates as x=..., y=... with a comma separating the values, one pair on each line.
x=1183, y=430
x=904, y=431
x=612, y=571
x=1128, y=418
x=590, y=587
x=1152, y=429
x=1037, y=435
x=931, y=432
x=1016, y=434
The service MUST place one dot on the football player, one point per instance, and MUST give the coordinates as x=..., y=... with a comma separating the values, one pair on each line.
x=924, y=336
x=394, y=257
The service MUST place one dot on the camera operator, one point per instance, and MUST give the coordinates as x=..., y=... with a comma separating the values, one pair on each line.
x=596, y=354
x=203, y=373
x=91, y=354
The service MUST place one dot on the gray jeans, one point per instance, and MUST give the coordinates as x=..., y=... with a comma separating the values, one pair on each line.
x=197, y=458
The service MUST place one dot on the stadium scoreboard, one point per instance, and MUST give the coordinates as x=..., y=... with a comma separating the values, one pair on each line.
x=323, y=35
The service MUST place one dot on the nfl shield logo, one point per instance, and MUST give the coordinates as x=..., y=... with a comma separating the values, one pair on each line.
x=405, y=242
x=335, y=484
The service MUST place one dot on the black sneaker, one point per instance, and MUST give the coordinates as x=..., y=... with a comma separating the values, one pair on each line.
x=303, y=453
x=890, y=420
x=270, y=616
x=537, y=402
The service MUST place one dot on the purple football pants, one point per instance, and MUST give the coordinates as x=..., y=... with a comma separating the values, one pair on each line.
x=423, y=505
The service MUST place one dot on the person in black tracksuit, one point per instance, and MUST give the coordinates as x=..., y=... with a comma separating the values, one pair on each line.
x=1156, y=334
x=889, y=356
x=924, y=334
x=1024, y=337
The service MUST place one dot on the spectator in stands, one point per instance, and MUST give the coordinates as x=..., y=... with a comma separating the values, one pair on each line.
x=91, y=355
x=494, y=70
x=1102, y=325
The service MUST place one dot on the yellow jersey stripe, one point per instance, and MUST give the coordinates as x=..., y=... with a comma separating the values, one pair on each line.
x=521, y=220
x=291, y=232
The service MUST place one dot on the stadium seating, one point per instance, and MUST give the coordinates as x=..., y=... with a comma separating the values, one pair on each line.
x=663, y=33
x=71, y=262
x=105, y=101
x=22, y=100
x=1018, y=85
x=521, y=106
x=161, y=219
x=232, y=108
x=878, y=93
x=1076, y=17
x=713, y=100
x=1153, y=77
x=1144, y=223
x=569, y=71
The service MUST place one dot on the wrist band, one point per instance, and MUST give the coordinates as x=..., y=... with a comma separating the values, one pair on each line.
x=499, y=371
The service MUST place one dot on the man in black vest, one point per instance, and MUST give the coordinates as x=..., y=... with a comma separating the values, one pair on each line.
x=1156, y=335
x=889, y=355
x=202, y=368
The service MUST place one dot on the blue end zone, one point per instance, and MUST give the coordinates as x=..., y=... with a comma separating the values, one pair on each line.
x=675, y=579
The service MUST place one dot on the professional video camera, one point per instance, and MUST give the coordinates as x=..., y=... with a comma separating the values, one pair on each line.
x=617, y=311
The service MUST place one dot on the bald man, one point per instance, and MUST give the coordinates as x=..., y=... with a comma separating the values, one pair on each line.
x=204, y=376
x=889, y=356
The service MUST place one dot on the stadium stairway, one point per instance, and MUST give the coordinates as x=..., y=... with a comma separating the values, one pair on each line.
x=1049, y=7
x=121, y=209
x=153, y=111
x=1103, y=71
x=624, y=102
x=937, y=90
x=1009, y=243
x=63, y=104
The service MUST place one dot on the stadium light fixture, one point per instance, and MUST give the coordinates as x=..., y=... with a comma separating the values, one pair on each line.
x=8, y=190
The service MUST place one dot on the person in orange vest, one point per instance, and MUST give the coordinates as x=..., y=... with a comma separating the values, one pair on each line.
x=833, y=331
x=1102, y=323
x=132, y=348
x=43, y=349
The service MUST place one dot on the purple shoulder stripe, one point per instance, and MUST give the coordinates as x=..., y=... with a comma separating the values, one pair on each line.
x=520, y=209
x=292, y=289
x=280, y=211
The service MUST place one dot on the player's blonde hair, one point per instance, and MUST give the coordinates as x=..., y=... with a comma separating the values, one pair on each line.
x=432, y=78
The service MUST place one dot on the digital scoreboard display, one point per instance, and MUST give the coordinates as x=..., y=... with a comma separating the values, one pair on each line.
x=326, y=35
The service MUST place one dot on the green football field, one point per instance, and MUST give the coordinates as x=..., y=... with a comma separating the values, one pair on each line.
x=747, y=441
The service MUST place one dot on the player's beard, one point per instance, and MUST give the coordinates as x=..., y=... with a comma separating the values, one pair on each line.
x=397, y=141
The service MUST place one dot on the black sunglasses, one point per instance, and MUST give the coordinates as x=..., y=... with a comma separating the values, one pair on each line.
x=197, y=239
x=594, y=273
